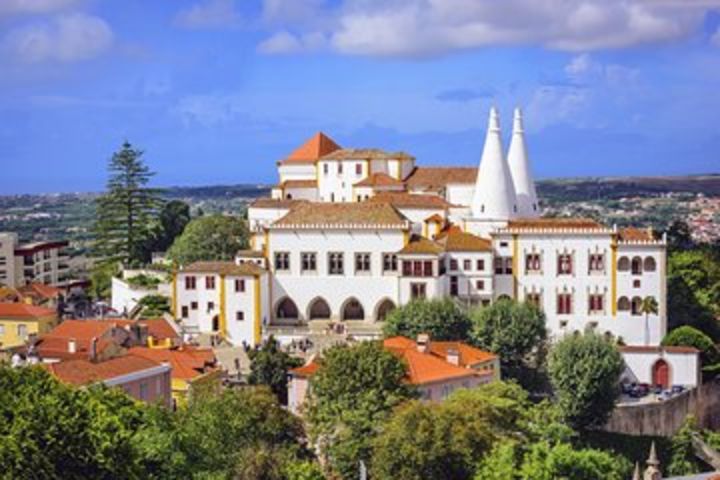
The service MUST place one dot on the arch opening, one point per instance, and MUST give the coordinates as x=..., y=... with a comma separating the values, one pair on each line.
x=353, y=310
x=286, y=310
x=319, y=309
x=383, y=309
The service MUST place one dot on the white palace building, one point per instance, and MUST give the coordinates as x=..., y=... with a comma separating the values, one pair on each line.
x=349, y=234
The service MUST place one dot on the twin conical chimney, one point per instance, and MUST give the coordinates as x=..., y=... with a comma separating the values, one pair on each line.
x=494, y=196
x=519, y=163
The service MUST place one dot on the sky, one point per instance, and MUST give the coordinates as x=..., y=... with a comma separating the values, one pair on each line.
x=217, y=91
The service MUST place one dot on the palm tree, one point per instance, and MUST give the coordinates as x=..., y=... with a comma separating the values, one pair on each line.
x=649, y=306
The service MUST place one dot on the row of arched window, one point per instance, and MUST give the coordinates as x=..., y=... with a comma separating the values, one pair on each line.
x=319, y=309
x=637, y=265
x=634, y=305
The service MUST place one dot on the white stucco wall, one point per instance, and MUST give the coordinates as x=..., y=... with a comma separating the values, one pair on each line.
x=684, y=367
x=297, y=171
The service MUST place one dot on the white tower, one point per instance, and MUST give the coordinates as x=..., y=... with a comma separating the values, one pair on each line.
x=527, y=203
x=494, y=196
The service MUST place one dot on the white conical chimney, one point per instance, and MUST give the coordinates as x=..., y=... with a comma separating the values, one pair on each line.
x=494, y=196
x=527, y=202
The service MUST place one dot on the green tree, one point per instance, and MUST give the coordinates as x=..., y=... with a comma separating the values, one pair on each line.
x=211, y=237
x=125, y=211
x=445, y=440
x=514, y=331
x=694, y=291
x=174, y=217
x=303, y=470
x=584, y=371
x=649, y=306
x=683, y=460
x=679, y=236
x=270, y=365
x=154, y=306
x=442, y=319
x=687, y=336
x=545, y=461
x=234, y=433
x=101, y=277
x=351, y=396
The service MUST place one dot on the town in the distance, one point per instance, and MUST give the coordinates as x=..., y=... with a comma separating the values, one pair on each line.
x=371, y=317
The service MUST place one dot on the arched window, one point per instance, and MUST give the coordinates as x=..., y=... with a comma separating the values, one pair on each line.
x=286, y=309
x=624, y=264
x=636, y=266
x=649, y=264
x=319, y=309
x=636, y=306
x=288, y=196
x=353, y=310
x=383, y=308
x=623, y=304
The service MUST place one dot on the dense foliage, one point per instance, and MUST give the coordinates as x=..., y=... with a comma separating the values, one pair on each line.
x=514, y=331
x=694, y=290
x=352, y=395
x=270, y=365
x=50, y=430
x=442, y=319
x=687, y=336
x=584, y=371
x=154, y=306
x=211, y=237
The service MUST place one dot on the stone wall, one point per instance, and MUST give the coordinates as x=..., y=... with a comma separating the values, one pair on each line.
x=665, y=418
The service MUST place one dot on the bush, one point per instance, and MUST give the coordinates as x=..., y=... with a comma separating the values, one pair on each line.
x=441, y=319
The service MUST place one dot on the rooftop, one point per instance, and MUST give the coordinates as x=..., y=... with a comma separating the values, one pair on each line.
x=410, y=200
x=24, y=310
x=554, y=224
x=224, y=268
x=83, y=372
x=456, y=241
x=342, y=214
x=317, y=146
x=436, y=177
x=366, y=154
x=187, y=363
x=379, y=179
x=419, y=245
x=636, y=235
x=299, y=184
x=275, y=203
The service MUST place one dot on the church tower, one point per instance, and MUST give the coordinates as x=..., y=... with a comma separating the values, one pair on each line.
x=527, y=202
x=494, y=196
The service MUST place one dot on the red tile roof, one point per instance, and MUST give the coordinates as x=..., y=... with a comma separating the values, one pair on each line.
x=309, y=152
x=275, y=203
x=187, y=363
x=54, y=344
x=341, y=214
x=83, y=372
x=41, y=290
x=379, y=179
x=298, y=184
x=421, y=246
x=410, y=200
x=159, y=328
x=636, y=235
x=555, y=224
x=436, y=177
x=23, y=310
x=457, y=241
x=307, y=370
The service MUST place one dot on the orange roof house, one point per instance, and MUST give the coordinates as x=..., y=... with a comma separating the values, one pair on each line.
x=435, y=368
x=20, y=321
x=317, y=146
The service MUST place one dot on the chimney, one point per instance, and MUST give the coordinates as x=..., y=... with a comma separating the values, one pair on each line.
x=453, y=356
x=72, y=346
x=423, y=343
x=93, y=349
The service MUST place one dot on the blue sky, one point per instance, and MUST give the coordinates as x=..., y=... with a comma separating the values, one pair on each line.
x=216, y=91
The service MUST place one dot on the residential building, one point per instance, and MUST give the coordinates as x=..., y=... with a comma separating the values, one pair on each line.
x=435, y=368
x=40, y=262
x=20, y=321
x=141, y=378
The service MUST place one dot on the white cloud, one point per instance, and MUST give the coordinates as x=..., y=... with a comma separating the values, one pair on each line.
x=584, y=68
x=285, y=43
x=13, y=7
x=550, y=105
x=64, y=38
x=433, y=27
x=208, y=14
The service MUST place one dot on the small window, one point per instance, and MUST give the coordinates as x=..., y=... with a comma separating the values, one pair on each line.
x=467, y=265
x=480, y=285
x=239, y=316
x=596, y=303
x=362, y=262
x=564, y=304
x=596, y=263
x=335, y=263
x=193, y=305
x=624, y=264
x=358, y=169
x=649, y=264
x=565, y=264
x=453, y=264
x=503, y=244
x=190, y=283
x=390, y=262
x=239, y=285
x=210, y=282
x=563, y=323
x=308, y=261
x=282, y=261
x=508, y=266
x=533, y=263
x=480, y=265
x=418, y=291
x=340, y=168
x=533, y=299
x=326, y=168
x=636, y=283
x=22, y=331
x=210, y=306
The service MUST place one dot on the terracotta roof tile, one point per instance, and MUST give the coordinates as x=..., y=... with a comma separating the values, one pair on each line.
x=250, y=253
x=83, y=372
x=379, y=179
x=636, y=235
x=159, y=328
x=275, y=203
x=410, y=200
x=366, y=154
x=24, y=310
x=421, y=246
x=435, y=217
x=299, y=184
x=342, y=214
x=317, y=146
x=41, y=290
x=436, y=177
x=224, y=268
x=469, y=356
x=306, y=370
x=555, y=223
x=455, y=241
x=187, y=363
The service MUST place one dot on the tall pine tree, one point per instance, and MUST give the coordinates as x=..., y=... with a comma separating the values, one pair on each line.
x=125, y=212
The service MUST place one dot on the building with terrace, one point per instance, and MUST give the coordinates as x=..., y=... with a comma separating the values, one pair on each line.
x=38, y=262
x=351, y=233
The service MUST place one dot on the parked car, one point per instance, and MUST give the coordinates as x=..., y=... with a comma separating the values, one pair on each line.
x=677, y=389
